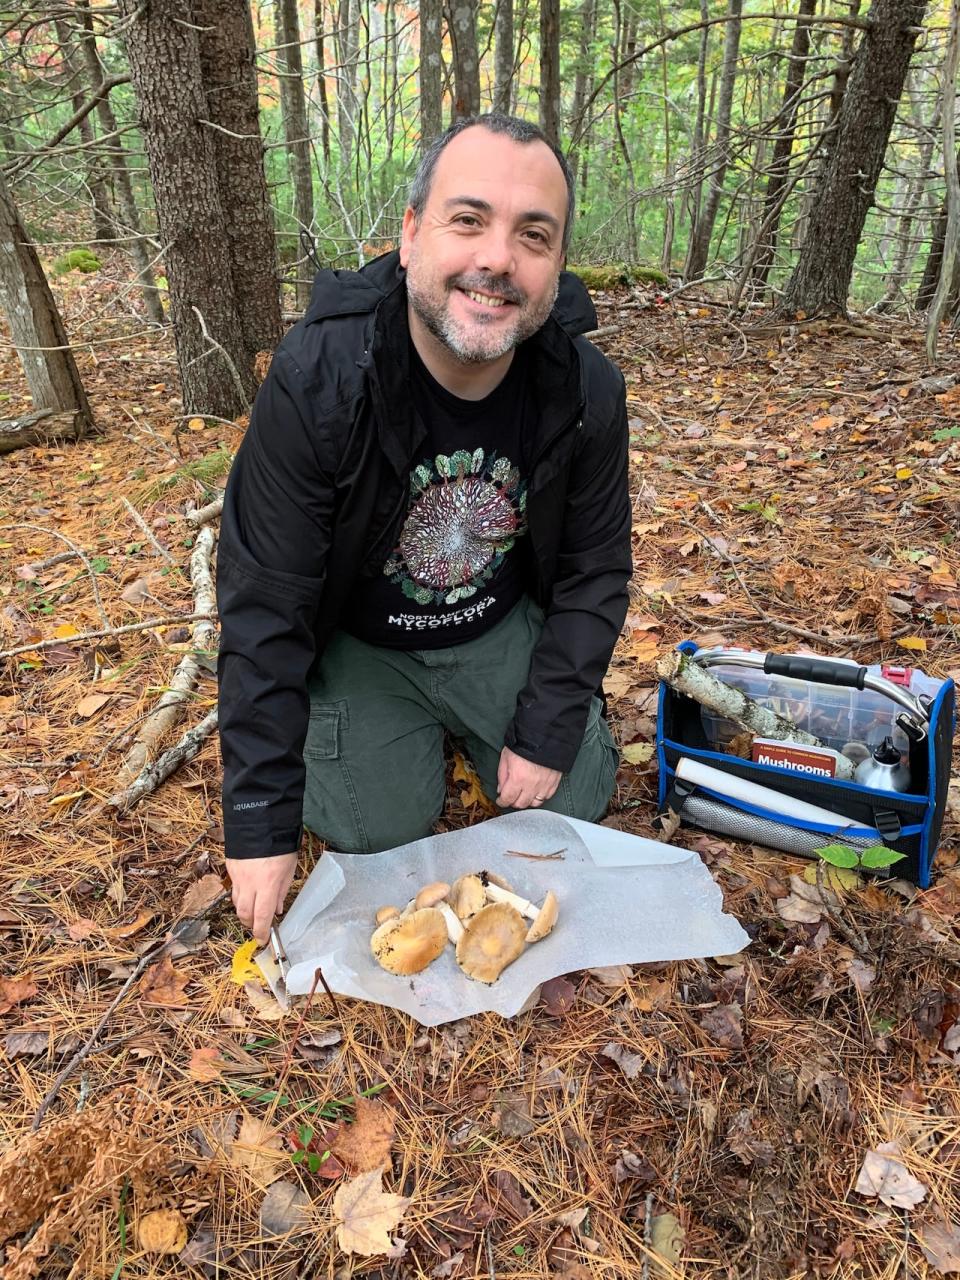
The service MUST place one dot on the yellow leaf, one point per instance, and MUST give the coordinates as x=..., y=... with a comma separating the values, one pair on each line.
x=196, y=424
x=833, y=877
x=913, y=642
x=258, y=1149
x=904, y=473
x=65, y=630
x=162, y=1231
x=70, y=795
x=637, y=752
x=367, y=1214
x=242, y=968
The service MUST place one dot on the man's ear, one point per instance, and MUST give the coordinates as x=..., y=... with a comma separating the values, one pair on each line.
x=407, y=234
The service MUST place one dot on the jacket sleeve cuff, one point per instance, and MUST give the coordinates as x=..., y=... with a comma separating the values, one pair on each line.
x=248, y=843
x=549, y=755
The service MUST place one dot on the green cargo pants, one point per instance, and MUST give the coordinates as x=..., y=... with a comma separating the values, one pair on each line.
x=375, y=773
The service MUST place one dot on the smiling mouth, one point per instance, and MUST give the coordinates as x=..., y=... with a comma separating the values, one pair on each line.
x=486, y=299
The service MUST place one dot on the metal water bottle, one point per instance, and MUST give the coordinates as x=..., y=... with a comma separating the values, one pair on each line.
x=884, y=770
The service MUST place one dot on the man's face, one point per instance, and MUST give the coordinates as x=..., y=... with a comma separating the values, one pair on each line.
x=483, y=262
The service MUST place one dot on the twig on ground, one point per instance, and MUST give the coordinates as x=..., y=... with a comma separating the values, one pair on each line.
x=167, y=711
x=205, y=514
x=228, y=360
x=103, y=634
x=161, y=769
x=147, y=531
x=60, y=558
x=81, y=556
x=852, y=935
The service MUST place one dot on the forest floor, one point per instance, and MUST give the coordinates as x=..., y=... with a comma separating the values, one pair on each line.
x=704, y=1119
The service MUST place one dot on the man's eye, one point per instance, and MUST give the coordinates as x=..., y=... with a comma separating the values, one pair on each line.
x=539, y=236
x=468, y=220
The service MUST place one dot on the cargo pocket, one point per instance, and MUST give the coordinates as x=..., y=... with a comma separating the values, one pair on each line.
x=330, y=806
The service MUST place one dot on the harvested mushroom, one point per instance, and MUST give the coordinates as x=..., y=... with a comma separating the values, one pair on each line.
x=545, y=919
x=431, y=894
x=454, y=927
x=491, y=940
x=407, y=944
x=387, y=913
x=467, y=896
x=491, y=877
x=496, y=894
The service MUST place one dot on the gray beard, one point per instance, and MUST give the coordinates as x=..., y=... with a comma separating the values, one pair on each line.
x=446, y=331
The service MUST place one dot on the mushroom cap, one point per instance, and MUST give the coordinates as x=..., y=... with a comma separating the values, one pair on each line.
x=491, y=940
x=496, y=879
x=467, y=896
x=431, y=894
x=407, y=944
x=387, y=913
x=546, y=918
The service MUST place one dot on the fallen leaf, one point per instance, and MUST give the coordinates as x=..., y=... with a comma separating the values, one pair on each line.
x=65, y=630
x=264, y=1002
x=258, y=1149
x=26, y=1044
x=131, y=928
x=242, y=968
x=832, y=877
x=629, y=1063
x=367, y=1214
x=638, y=752
x=162, y=1231
x=631, y=1166
x=885, y=1177
x=861, y=974
x=163, y=985
x=940, y=1242
x=91, y=704
x=722, y=1025
x=667, y=1238
x=508, y=1186
x=745, y=1144
x=202, y=894
x=202, y=1252
x=913, y=642
x=206, y=1063
x=512, y=1116
x=14, y=991
x=557, y=995
x=611, y=976
x=81, y=929
x=365, y=1145
x=443, y=1270
x=284, y=1209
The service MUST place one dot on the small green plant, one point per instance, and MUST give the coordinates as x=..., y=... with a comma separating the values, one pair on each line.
x=947, y=433
x=875, y=858
x=309, y=1149
x=84, y=260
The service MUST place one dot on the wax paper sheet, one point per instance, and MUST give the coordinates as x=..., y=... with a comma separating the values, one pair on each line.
x=622, y=900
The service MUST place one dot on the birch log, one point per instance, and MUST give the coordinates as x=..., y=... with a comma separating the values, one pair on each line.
x=171, y=760
x=203, y=636
x=693, y=680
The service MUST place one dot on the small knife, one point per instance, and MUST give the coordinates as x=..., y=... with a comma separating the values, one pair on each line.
x=276, y=946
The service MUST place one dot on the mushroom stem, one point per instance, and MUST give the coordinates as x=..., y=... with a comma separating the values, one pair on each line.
x=454, y=927
x=496, y=894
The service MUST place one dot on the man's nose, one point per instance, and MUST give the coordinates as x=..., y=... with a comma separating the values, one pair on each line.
x=495, y=253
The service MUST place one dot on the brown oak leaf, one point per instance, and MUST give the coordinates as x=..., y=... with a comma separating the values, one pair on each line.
x=365, y=1144
x=14, y=991
x=162, y=984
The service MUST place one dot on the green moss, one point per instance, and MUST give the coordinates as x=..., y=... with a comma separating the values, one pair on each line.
x=203, y=470
x=611, y=274
x=77, y=260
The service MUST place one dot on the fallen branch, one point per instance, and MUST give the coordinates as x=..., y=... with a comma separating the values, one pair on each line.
x=205, y=514
x=39, y=645
x=203, y=637
x=81, y=556
x=688, y=677
x=161, y=769
x=147, y=532
x=45, y=426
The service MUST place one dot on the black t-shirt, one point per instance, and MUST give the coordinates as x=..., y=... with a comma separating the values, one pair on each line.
x=455, y=570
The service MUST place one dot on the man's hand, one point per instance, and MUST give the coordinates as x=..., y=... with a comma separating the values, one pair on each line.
x=523, y=785
x=259, y=888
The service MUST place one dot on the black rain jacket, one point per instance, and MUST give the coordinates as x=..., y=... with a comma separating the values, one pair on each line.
x=316, y=499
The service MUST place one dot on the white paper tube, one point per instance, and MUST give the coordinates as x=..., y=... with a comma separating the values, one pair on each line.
x=734, y=788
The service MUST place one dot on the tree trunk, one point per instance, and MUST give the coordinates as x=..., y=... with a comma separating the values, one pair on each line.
x=466, y=61
x=951, y=241
x=227, y=53
x=578, y=130
x=698, y=142
x=348, y=43
x=550, y=69
x=129, y=214
x=431, y=70
x=293, y=106
x=785, y=124
x=906, y=249
x=931, y=270
x=390, y=102
x=319, y=17
x=504, y=57
x=98, y=183
x=36, y=329
x=163, y=47
x=820, y=282
x=703, y=230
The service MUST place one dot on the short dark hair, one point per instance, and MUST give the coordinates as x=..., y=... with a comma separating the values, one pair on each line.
x=511, y=127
